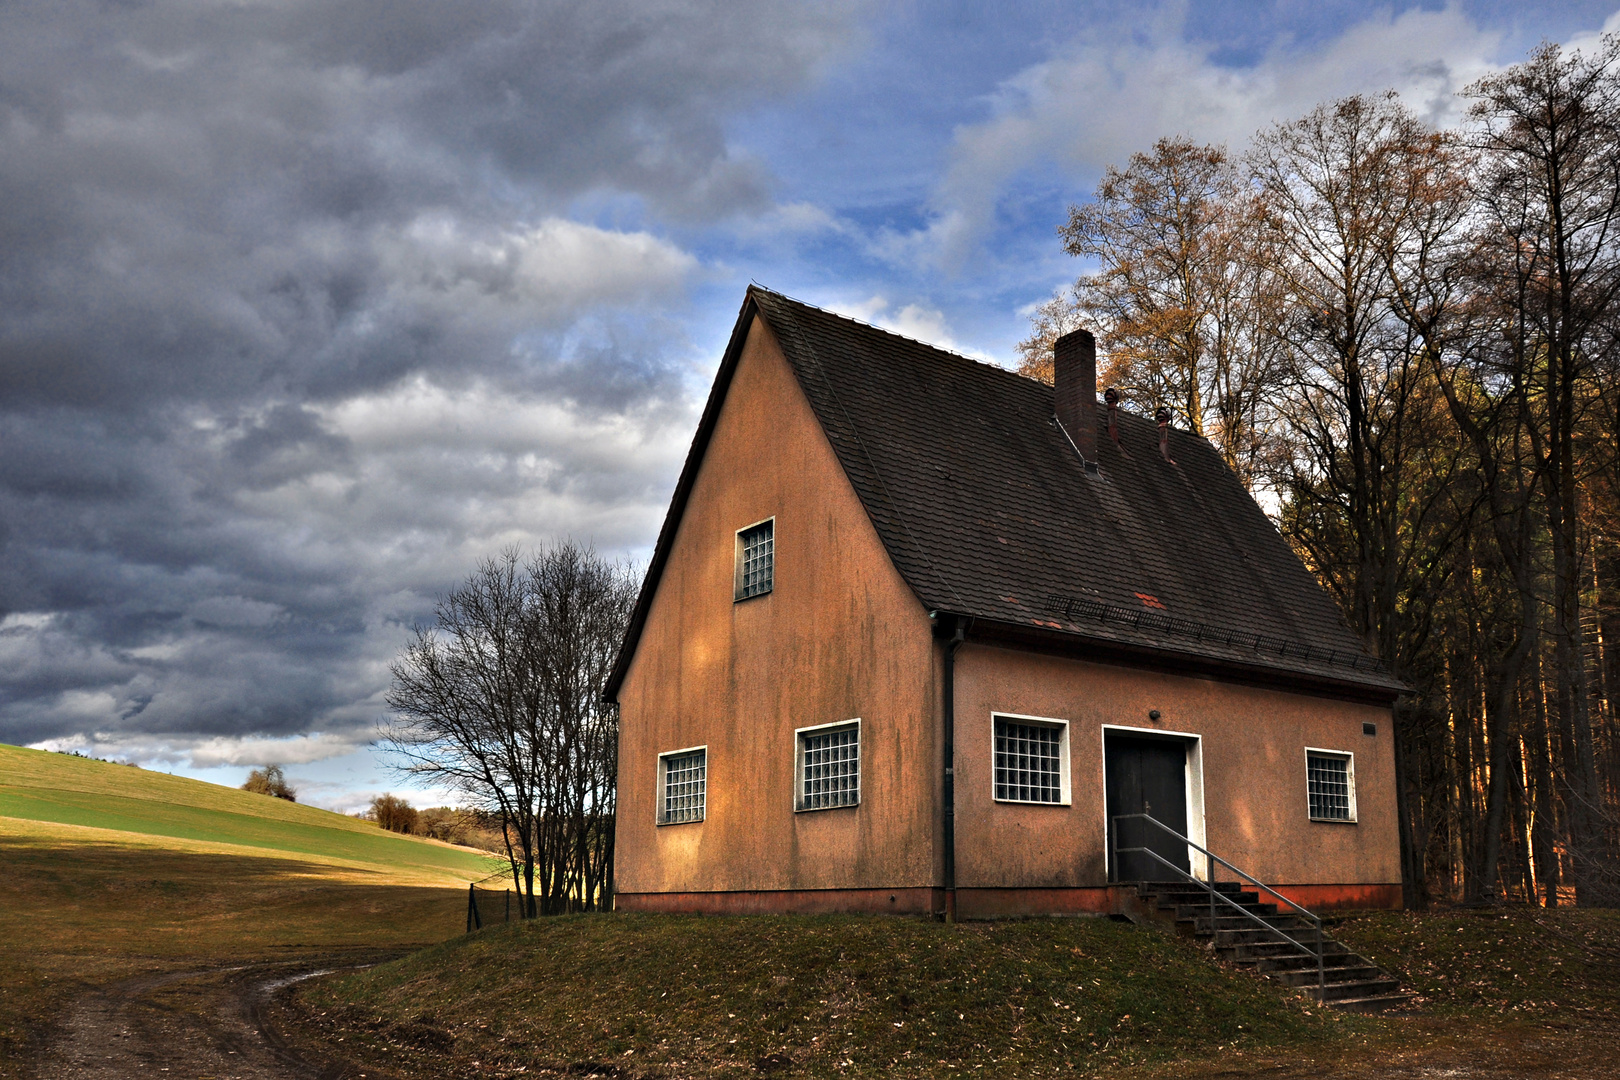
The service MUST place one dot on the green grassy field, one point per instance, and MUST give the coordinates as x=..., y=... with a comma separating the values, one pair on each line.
x=65, y=790
x=108, y=871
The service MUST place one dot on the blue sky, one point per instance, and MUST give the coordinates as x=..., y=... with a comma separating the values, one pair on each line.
x=306, y=307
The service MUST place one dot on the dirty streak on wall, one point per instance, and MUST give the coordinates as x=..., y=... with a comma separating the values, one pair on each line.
x=1253, y=784
x=839, y=636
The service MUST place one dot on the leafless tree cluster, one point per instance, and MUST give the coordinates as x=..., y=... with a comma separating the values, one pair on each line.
x=394, y=814
x=1408, y=340
x=501, y=701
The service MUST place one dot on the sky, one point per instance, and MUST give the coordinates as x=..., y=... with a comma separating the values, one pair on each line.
x=305, y=307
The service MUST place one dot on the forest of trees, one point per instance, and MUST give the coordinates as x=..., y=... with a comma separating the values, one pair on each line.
x=1405, y=342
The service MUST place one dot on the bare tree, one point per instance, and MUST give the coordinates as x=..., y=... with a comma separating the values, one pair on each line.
x=1346, y=194
x=1548, y=131
x=1179, y=298
x=500, y=700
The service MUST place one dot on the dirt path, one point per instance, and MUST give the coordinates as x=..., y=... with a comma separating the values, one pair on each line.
x=209, y=1023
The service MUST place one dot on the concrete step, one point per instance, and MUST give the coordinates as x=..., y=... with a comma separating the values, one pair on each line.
x=1201, y=907
x=1307, y=976
x=1347, y=991
x=1299, y=962
x=1225, y=939
x=1294, y=926
x=1145, y=887
x=1353, y=984
x=1375, y=1003
x=1271, y=948
x=1196, y=894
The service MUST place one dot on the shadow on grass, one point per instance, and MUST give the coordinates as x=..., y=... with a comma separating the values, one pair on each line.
x=90, y=913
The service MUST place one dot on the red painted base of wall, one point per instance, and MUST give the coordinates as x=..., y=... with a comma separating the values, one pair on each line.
x=1343, y=897
x=970, y=903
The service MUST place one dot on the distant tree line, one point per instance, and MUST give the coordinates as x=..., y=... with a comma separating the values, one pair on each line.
x=1407, y=340
x=451, y=824
x=500, y=700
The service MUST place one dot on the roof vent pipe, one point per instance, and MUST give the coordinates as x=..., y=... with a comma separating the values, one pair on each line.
x=1111, y=396
x=1162, y=415
x=1074, y=371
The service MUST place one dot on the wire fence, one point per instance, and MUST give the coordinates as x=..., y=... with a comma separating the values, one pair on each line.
x=488, y=905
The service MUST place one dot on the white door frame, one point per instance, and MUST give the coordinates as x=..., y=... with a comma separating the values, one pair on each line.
x=1194, y=772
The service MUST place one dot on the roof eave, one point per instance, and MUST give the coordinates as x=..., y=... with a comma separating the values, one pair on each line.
x=1379, y=690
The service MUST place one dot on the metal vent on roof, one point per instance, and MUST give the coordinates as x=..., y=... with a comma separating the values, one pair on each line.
x=1076, y=609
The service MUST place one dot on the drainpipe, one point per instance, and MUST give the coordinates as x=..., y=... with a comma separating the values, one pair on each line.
x=950, y=768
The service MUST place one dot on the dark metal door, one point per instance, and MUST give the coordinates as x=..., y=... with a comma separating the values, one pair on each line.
x=1146, y=776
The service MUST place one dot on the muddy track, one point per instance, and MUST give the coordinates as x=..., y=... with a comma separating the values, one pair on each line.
x=211, y=1022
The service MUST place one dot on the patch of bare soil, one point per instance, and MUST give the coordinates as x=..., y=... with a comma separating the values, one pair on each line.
x=213, y=1022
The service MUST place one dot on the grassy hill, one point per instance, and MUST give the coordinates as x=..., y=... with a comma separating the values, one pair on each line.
x=36, y=786
x=108, y=871
x=1517, y=992
x=827, y=996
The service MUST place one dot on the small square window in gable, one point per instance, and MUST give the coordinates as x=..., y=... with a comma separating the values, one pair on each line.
x=756, y=559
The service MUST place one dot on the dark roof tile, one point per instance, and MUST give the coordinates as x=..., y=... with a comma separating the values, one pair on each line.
x=988, y=512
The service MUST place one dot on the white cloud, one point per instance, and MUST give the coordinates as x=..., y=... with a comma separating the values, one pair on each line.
x=208, y=753
x=912, y=320
x=1119, y=89
x=449, y=474
x=542, y=274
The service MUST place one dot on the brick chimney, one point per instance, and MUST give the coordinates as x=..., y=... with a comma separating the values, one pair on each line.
x=1074, y=373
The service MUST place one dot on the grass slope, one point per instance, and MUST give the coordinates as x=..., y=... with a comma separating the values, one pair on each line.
x=1514, y=992
x=812, y=996
x=65, y=790
x=1532, y=962
x=108, y=872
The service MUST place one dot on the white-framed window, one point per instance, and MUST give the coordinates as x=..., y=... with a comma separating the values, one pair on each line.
x=683, y=784
x=1030, y=759
x=828, y=766
x=1330, y=784
x=756, y=559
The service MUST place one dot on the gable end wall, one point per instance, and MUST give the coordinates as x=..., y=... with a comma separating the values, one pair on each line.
x=840, y=636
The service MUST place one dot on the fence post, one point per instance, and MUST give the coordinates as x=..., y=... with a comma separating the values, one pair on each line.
x=508, y=905
x=473, y=921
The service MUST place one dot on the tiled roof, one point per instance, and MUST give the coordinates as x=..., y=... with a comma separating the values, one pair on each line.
x=988, y=511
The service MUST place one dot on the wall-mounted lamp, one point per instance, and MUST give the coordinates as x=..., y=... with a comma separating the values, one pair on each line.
x=1153, y=714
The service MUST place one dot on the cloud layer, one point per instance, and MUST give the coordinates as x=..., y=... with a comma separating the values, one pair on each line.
x=306, y=306
x=1115, y=88
x=303, y=309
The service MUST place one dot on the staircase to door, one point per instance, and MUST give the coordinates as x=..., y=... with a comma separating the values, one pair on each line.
x=1248, y=923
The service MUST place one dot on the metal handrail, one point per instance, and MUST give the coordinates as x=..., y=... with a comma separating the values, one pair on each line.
x=1214, y=893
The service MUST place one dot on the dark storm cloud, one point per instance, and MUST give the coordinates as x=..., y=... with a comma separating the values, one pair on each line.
x=295, y=324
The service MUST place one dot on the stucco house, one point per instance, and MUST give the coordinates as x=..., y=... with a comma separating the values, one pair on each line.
x=918, y=630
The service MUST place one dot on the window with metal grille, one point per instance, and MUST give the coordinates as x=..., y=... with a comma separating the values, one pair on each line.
x=829, y=766
x=1029, y=761
x=1330, y=786
x=756, y=550
x=683, y=783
